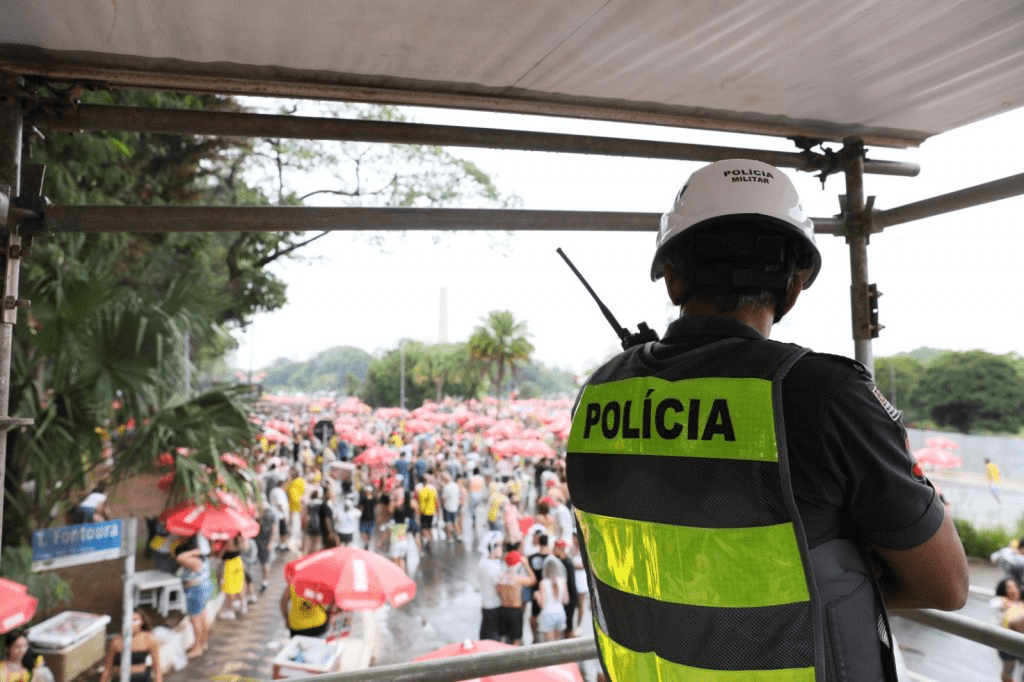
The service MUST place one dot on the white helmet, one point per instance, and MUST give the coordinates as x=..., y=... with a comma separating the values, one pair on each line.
x=737, y=189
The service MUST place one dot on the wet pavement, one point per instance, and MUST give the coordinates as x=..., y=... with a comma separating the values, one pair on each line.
x=447, y=609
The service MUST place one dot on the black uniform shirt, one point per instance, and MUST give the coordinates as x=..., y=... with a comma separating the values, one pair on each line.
x=849, y=458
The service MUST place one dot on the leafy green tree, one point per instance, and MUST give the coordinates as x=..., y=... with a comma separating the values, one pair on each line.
x=425, y=365
x=382, y=387
x=352, y=383
x=118, y=168
x=973, y=390
x=98, y=369
x=117, y=320
x=49, y=588
x=536, y=380
x=372, y=174
x=1017, y=361
x=500, y=346
x=327, y=371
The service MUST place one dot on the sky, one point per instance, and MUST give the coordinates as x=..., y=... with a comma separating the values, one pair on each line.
x=950, y=282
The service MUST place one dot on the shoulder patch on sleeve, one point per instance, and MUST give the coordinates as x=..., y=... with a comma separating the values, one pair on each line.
x=893, y=413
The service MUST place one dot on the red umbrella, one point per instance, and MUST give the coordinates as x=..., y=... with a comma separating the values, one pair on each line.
x=275, y=436
x=560, y=426
x=937, y=457
x=389, y=412
x=943, y=443
x=278, y=425
x=17, y=606
x=506, y=428
x=221, y=522
x=351, y=578
x=364, y=438
x=231, y=459
x=356, y=436
x=566, y=672
x=424, y=411
x=525, y=447
x=461, y=416
x=478, y=422
x=417, y=426
x=377, y=455
x=345, y=420
x=352, y=405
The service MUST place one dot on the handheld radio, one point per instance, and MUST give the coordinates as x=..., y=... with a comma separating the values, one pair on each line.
x=644, y=334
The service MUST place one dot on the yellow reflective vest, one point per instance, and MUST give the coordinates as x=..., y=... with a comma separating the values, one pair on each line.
x=698, y=565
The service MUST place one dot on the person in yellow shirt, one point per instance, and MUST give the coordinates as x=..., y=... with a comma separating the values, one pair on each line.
x=296, y=490
x=304, y=617
x=994, y=477
x=427, y=497
x=496, y=502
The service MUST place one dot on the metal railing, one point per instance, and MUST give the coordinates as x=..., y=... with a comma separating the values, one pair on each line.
x=472, y=666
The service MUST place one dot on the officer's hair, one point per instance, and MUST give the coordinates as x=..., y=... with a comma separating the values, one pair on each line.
x=736, y=265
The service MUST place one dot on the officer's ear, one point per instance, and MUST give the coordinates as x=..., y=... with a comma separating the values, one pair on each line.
x=673, y=284
x=796, y=285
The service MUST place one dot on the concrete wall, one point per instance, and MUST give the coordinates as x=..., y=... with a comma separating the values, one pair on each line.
x=1007, y=452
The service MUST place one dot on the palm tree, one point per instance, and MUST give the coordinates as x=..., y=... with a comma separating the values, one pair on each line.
x=500, y=345
x=441, y=363
x=98, y=368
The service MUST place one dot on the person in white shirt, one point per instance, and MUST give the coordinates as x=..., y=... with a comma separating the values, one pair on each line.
x=451, y=505
x=279, y=503
x=489, y=573
x=93, y=509
x=564, y=527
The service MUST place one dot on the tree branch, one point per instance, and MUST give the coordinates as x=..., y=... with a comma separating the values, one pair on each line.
x=284, y=252
x=329, y=191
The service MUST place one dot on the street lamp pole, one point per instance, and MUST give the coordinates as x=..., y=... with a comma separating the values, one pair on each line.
x=401, y=374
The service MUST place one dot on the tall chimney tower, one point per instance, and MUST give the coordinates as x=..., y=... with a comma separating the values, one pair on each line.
x=442, y=334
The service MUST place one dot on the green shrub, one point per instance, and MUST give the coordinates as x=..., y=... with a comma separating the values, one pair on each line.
x=983, y=542
x=50, y=589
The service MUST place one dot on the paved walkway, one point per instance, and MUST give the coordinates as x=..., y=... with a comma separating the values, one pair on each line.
x=447, y=609
x=244, y=649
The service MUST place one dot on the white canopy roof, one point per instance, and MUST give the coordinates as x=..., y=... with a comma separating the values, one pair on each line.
x=892, y=72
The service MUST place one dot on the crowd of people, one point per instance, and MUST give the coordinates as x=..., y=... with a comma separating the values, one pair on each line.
x=422, y=488
x=1008, y=600
x=443, y=485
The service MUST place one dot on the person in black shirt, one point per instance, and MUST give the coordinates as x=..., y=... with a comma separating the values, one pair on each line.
x=536, y=561
x=367, y=513
x=692, y=456
x=562, y=554
x=328, y=534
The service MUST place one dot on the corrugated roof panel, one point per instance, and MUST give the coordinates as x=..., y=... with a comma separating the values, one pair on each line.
x=915, y=67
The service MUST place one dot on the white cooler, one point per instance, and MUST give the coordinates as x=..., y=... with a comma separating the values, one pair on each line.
x=304, y=656
x=70, y=642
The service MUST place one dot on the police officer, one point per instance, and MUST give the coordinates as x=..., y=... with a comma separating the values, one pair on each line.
x=747, y=507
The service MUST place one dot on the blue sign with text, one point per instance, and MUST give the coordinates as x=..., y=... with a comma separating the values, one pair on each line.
x=85, y=542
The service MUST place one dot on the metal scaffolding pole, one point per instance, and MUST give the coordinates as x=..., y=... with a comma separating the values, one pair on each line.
x=11, y=117
x=858, y=230
x=152, y=219
x=1004, y=188
x=987, y=192
x=231, y=124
